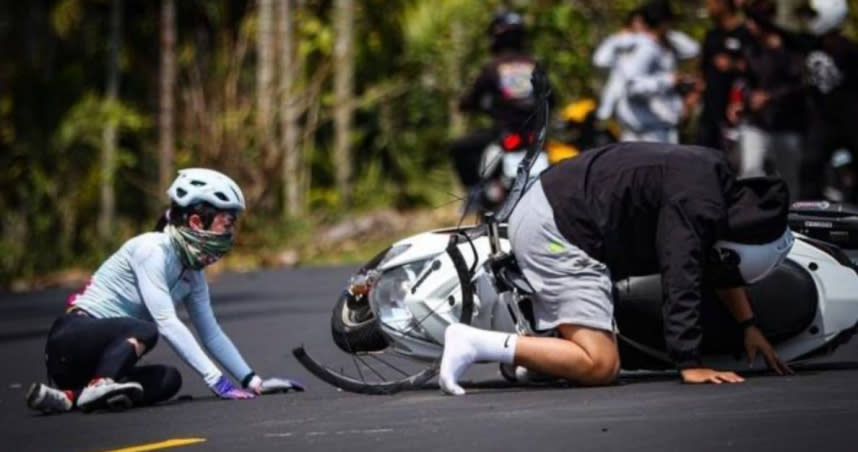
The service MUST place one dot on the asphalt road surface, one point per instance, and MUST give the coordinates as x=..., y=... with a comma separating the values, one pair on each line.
x=269, y=313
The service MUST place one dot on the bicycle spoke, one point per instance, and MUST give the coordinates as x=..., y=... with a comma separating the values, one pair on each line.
x=357, y=366
x=390, y=365
x=371, y=369
x=429, y=314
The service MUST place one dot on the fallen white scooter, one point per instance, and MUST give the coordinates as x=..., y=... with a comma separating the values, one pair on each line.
x=403, y=300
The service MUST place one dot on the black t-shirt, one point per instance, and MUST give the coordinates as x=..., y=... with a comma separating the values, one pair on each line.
x=645, y=208
x=731, y=43
x=504, y=90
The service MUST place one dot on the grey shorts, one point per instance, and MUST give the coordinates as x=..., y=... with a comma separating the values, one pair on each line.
x=571, y=287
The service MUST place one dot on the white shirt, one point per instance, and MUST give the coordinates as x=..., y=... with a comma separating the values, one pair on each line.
x=631, y=59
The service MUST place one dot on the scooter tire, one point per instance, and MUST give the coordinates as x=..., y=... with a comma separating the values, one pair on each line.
x=355, y=336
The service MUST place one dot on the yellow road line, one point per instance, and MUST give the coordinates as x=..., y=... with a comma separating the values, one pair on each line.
x=178, y=442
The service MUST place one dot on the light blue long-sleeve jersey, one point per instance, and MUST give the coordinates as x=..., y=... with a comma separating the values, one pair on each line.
x=144, y=280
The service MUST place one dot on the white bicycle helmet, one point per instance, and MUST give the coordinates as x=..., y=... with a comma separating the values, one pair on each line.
x=196, y=185
x=827, y=15
x=754, y=262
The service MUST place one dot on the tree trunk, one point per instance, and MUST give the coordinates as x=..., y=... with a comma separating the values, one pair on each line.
x=456, y=125
x=166, y=86
x=309, y=144
x=293, y=195
x=109, y=135
x=264, y=76
x=343, y=96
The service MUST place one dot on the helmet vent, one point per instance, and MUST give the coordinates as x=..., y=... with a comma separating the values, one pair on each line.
x=234, y=193
x=181, y=192
x=197, y=183
x=221, y=196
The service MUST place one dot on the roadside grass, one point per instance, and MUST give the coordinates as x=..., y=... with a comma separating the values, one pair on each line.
x=279, y=244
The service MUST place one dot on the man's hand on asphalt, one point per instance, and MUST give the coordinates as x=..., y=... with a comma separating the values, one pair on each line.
x=756, y=342
x=704, y=375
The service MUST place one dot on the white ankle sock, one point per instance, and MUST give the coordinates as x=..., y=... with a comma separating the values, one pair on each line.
x=465, y=345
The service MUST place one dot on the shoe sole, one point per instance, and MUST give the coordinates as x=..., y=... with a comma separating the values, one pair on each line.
x=118, y=400
x=119, y=403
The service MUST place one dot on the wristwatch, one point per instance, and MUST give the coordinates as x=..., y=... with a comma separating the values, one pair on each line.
x=749, y=322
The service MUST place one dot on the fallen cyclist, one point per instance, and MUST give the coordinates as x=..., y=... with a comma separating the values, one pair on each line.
x=93, y=349
x=625, y=210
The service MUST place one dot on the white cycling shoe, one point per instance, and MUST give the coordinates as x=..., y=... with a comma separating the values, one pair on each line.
x=48, y=400
x=106, y=393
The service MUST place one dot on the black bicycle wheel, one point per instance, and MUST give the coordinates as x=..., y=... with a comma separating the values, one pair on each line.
x=373, y=380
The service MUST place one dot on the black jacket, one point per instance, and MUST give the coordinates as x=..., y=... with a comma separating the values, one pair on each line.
x=830, y=66
x=644, y=208
x=720, y=42
x=779, y=73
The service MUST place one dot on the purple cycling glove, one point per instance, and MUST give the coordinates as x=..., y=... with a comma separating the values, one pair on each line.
x=226, y=390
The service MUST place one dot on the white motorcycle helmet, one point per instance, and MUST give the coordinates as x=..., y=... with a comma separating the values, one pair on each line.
x=196, y=185
x=753, y=262
x=826, y=15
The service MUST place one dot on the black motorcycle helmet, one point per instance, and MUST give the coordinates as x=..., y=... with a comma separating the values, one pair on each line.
x=506, y=32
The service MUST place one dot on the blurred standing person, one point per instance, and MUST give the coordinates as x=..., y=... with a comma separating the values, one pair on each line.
x=773, y=108
x=721, y=64
x=831, y=66
x=606, y=57
x=621, y=44
x=652, y=101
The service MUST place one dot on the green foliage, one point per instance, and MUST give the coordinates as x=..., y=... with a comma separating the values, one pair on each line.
x=414, y=59
x=85, y=121
x=65, y=16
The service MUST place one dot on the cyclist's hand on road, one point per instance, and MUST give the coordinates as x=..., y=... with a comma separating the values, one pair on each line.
x=226, y=390
x=704, y=375
x=756, y=342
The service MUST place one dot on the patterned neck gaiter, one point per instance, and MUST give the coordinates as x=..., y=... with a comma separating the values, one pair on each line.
x=198, y=249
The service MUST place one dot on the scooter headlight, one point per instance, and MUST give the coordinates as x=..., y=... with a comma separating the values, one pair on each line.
x=387, y=297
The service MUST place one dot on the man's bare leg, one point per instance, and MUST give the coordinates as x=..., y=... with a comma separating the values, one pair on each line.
x=582, y=355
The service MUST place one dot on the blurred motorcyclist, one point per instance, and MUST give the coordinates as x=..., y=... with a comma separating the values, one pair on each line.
x=502, y=90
